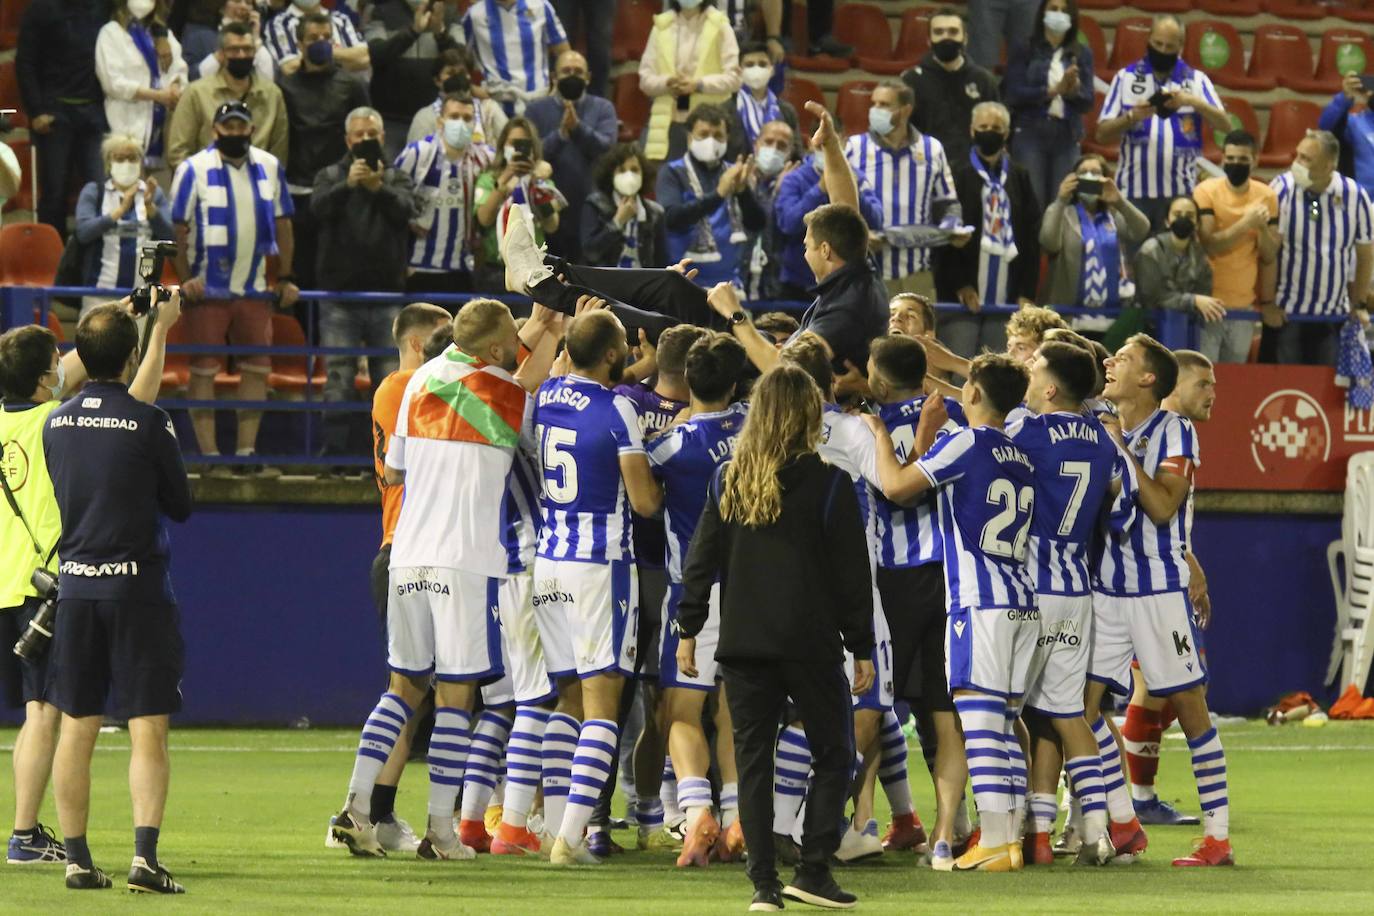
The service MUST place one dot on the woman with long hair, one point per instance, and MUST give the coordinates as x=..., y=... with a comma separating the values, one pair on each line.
x=782, y=534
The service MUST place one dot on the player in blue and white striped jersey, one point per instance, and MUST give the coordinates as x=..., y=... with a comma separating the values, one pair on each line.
x=1158, y=107
x=1078, y=480
x=685, y=459
x=595, y=471
x=1141, y=606
x=987, y=496
x=445, y=168
x=911, y=581
x=1326, y=222
x=514, y=40
x=847, y=444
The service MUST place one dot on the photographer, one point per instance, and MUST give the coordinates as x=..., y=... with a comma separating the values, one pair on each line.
x=116, y=469
x=33, y=380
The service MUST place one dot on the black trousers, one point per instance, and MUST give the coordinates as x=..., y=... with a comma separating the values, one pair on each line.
x=758, y=692
x=647, y=298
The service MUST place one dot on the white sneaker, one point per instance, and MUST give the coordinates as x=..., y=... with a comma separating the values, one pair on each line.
x=357, y=833
x=524, y=259
x=329, y=841
x=857, y=845
x=941, y=857
x=563, y=854
x=436, y=849
x=396, y=835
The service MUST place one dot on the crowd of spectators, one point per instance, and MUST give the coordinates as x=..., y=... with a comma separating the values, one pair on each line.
x=378, y=145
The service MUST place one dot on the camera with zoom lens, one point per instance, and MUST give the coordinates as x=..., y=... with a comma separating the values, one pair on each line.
x=151, y=260
x=34, y=641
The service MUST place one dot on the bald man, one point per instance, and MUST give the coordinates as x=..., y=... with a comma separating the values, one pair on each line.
x=576, y=128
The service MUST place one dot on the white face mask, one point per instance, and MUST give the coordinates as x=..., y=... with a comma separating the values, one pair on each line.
x=770, y=160
x=140, y=8
x=1302, y=175
x=689, y=4
x=627, y=184
x=124, y=174
x=880, y=121
x=1058, y=21
x=61, y=385
x=707, y=150
x=457, y=133
x=756, y=76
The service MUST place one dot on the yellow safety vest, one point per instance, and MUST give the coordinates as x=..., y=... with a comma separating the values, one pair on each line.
x=708, y=62
x=25, y=468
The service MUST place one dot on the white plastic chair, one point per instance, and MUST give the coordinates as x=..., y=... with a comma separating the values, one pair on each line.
x=1352, y=648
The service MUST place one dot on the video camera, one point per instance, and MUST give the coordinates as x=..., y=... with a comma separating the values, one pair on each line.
x=152, y=258
x=34, y=641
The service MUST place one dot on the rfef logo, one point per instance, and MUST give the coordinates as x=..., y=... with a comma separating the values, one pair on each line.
x=1290, y=428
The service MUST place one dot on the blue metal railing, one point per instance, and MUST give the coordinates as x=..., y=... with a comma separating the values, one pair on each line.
x=19, y=304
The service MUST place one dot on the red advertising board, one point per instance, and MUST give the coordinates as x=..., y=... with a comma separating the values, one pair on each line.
x=1280, y=428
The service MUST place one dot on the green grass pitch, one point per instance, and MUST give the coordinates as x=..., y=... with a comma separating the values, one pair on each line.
x=246, y=821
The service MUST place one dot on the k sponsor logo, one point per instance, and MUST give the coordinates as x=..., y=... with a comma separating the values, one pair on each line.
x=1181, y=645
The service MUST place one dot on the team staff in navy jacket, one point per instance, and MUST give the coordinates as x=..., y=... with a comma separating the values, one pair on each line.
x=116, y=470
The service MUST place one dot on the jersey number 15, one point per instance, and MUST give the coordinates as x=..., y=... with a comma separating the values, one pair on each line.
x=560, y=468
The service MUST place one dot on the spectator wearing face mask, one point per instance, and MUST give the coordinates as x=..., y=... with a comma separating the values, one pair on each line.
x=690, y=60
x=774, y=156
x=201, y=43
x=116, y=217
x=1001, y=263
x=139, y=93
x=1085, y=231
x=1049, y=88
x=192, y=126
x=576, y=129
x=444, y=168
x=349, y=49
x=620, y=226
x=405, y=41
x=518, y=175
x=318, y=96
x=755, y=104
x=947, y=84
x=708, y=203
x=451, y=76
x=1171, y=269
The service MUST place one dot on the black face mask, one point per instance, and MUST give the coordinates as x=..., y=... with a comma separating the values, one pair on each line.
x=572, y=87
x=1238, y=173
x=989, y=142
x=1161, y=62
x=233, y=147
x=459, y=85
x=1182, y=228
x=947, y=50
x=370, y=151
x=240, y=68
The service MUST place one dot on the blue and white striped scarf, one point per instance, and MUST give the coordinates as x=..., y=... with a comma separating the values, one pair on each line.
x=1099, y=280
x=997, y=243
x=753, y=114
x=217, y=240
x=143, y=41
x=629, y=253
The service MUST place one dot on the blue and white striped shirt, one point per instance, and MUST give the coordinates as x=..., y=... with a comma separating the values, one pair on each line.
x=1157, y=155
x=520, y=511
x=512, y=44
x=1320, y=232
x=582, y=428
x=685, y=458
x=987, y=497
x=909, y=182
x=281, y=32
x=444, y=187
x=910, y=535
x=1148, y=559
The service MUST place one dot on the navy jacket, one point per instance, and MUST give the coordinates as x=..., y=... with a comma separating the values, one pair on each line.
x=1025, y=88
x=573, y=158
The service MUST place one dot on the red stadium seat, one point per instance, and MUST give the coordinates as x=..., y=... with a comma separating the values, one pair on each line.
x=1090, y=34
x=1132, y=37
x=913, y=39
x=852, y=103
x=865, y=27
x=9, y=93
x=1098, y=5
x=1243, y=117
x=631, y=105
x=1282, y=52
x=11, y=12
x=1344, y=50
x=1165, y=6
x=289, y=373
x=634, y=20
x=1289, y=122
x=1294, y=9
x=801, y=43
x=54, y=324
x=1215, y=48
x=1090, y=145
x=29, y=253
x=1229, y=7
x=799, y=91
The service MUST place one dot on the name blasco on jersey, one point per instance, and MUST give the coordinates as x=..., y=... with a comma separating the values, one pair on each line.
x=569, y=396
